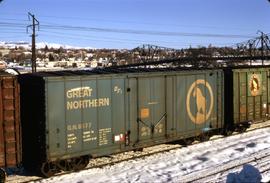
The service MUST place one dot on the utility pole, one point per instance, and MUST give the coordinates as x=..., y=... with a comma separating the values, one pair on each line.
x=35, y=23
x=250, y=52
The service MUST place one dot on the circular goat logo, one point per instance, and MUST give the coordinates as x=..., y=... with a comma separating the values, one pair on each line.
x=198, y=92
x=254, y=85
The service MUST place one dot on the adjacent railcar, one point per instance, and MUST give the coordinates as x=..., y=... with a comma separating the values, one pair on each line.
x=10, y=132
x=69, y=117
x=246, y=96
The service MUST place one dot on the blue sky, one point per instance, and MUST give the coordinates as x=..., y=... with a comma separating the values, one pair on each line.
x=240, y=18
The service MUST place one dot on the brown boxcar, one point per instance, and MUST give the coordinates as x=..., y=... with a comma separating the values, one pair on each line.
x=10, y=141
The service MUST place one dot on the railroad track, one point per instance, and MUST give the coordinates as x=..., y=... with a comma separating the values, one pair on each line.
x=260, y=160
x=118, y=158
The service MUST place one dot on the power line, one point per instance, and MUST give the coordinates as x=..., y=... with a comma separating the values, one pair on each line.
x=128, y=22
x=131, y=21
x=11, y=32
x=12, y=13
x=144, y=23
x=9, y=37
x=11, y=25
x=13, y=19
x=138, y=41
x=128, y=31
x=84, y=29
x=143, y=32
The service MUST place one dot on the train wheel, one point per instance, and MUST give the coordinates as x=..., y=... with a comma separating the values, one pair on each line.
x=242, y=129
x=3, y=175
x=187, y=141
x=73, y=163
x=48, y=169
x=65, y=165
x=80, y=163
x=204, y=137
x=227, y=132
x=138, y=150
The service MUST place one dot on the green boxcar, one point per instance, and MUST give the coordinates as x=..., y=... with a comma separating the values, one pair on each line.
x=246, y=95
x=174, y=105
x=94, y=115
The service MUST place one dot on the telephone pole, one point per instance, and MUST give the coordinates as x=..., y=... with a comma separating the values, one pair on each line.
x=35, y=23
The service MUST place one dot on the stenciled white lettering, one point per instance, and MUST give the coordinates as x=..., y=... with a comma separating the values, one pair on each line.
x=88, y=103
x=80, y=92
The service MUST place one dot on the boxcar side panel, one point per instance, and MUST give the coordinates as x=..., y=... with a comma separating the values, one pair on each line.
x=243, y=97
x=56, y=124
x=197, y=103
x=151, y=107
x=146, y=108
x=170, y=106
x=89, y=120
x=10, y=132
x=250, y=94
x=104, y=106
x=132, y=110
x=268, y=93
x=236, y=97
x=119, y=129
x=85, y=116
x=220, y=99
x=265, y=94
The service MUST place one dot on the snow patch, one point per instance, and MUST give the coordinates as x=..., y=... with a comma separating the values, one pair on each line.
x=39, y=45
x=173, y=166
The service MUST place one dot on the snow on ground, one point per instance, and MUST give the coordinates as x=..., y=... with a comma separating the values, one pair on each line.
x=248, y=174
x=173, y=165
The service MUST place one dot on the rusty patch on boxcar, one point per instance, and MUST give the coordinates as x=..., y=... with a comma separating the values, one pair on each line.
x=145, y=112
x=243, y=109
